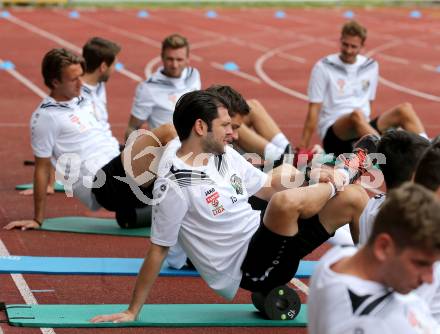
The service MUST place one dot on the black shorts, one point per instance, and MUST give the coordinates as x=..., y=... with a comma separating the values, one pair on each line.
x=116, y=195
x=273, y=260
x=332, y=144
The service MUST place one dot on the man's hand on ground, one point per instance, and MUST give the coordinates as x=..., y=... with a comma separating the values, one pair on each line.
x=23, y=225
x=115, y=318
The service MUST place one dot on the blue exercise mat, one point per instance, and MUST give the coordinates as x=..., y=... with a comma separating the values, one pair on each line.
x=100, y=266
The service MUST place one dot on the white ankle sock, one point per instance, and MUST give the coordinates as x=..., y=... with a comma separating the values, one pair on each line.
x=424, y=135
x=280, y=140
x=272, y=152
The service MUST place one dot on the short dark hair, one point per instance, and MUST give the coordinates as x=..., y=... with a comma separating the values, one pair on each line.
x=411, y=216
x=402, y=150
x=353, y=28
x=55, y=61
x=428, y=168
x=98, y=50
x=199, y=104
x=237, y=103
x=175, y=41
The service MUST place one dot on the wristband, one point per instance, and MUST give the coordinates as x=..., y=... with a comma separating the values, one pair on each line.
x=333, y=189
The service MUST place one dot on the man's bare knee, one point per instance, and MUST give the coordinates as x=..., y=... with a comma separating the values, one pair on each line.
x=282, y=214
x=357, y=117
x=405, y=110
x=284, y=204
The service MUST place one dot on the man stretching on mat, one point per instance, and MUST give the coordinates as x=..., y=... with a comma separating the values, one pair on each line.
x=67, y=133
x=370, y=290
x=342, y=90
x=202, y=202
x=100, y=56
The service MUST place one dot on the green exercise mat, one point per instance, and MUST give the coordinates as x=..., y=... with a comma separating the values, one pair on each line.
x=93, y=226
x=152, y=315
x=56, y=186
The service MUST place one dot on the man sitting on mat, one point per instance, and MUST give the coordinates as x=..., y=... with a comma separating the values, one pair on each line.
x=156, y=97
x=342, y=90
x=100, y=56
x=68, y=135
x=202, y=196
x=370, y=290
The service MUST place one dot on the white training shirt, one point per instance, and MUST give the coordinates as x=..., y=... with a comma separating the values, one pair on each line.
x=206, y=210
x=342, y=303
x=156, y=97
x=69, y=133
x=342, y=87
x=97, y=94
x=368, y=216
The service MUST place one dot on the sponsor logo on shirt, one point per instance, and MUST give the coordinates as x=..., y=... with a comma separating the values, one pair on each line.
x=341, y=85
x=365, y=85
x=173, y=98
x=237, y=184
x=75, y=120
x=212, y=198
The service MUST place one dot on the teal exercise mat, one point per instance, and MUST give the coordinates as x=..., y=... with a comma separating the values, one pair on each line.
x=101, y=266
x=93, y=226
x=152, y=315
x=56, y=186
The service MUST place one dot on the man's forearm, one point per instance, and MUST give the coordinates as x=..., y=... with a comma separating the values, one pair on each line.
x=310, y=124
x=149, y=271
x=41, y=180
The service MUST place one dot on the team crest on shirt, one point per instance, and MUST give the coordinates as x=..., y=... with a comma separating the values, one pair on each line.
x=212, y=198
x=341, y=85
x=237, y=184
x=365, y=85
x=172, y=98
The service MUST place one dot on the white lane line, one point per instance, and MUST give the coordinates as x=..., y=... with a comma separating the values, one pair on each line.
x=123, y=32
x=429, y=67
x=25, y=81
x=23, y=288
x=393, y=59
x=44, y=33
x=300, y=285
x=150, y=66
x=262, y=74
x=25, y=125
x=61, y=41
x=240, y=74
x=418, y=44
x=205, y=44
x=384, y=47
x=410, y=91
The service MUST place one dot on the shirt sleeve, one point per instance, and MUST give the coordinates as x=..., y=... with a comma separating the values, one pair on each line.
x=374, y=81
x=317, y=84
x=43, y=134
x=168, y=212
x=143, y=102
x=253, y=178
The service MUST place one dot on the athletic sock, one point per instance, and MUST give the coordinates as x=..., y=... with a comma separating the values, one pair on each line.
x=280, y=140
x=424, y=135
x=272, y=152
